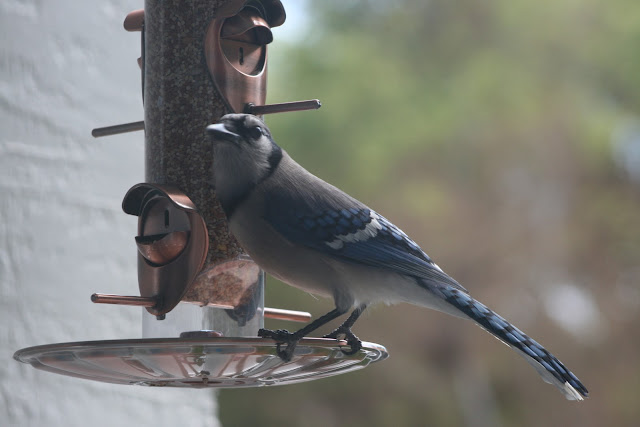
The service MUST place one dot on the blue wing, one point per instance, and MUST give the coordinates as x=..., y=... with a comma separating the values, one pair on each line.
x=355, y=233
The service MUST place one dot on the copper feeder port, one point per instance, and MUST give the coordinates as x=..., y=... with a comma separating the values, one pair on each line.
x=172, y=243
x=236, y=50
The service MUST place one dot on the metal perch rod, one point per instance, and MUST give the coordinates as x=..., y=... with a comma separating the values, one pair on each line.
x=272, y=313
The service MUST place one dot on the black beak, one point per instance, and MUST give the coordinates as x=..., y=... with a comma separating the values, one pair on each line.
x=220, y=132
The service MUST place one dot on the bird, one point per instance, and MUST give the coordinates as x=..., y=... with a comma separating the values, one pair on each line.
x=313, y=236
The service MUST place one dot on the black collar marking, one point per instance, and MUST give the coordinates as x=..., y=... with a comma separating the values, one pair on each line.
x=274, y=160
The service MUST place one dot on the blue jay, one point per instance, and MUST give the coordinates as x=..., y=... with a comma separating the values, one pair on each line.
x=313, y=236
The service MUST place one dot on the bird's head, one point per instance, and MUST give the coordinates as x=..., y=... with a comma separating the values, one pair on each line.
x=244, y=154
x=240, y=128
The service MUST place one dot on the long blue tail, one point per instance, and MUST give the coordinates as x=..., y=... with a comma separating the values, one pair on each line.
x=546, y=364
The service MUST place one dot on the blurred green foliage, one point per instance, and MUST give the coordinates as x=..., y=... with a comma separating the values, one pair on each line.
x=487, y=131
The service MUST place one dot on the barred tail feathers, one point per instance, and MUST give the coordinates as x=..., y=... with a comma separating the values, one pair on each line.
x=547, y=365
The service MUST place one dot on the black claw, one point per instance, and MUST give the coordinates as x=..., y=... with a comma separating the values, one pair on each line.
x=356, y=346
x=291, y=339
x=353, y=341
x=287, y=354
x=282, y=336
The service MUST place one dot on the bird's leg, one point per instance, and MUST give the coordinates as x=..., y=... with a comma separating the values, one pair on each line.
x=283, y=336
x=345, y=329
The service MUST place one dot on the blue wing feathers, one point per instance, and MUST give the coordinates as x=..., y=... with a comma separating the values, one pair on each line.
x=311, y=213
x=385, y=246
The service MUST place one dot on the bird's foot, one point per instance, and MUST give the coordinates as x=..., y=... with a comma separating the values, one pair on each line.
x=353, y=341
x=282, y=336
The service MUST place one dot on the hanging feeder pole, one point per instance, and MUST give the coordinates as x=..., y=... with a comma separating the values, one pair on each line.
x=201, y=59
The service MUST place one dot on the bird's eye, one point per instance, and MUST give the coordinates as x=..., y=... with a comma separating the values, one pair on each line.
x=255, y=132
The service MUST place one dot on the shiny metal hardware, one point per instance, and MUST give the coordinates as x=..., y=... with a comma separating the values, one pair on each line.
x=271, y=313
x=172, y=243
x=236, y=53
x=123, y=300
x=172, y=246
x=117, y=129
x=198, y=361
x=134, y=20
x=284, y=107
x=201, y=334
x=249, y=108
x=289, y=315
x=235, y=48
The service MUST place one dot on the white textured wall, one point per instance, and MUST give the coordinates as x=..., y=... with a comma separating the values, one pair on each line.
x=67, y=66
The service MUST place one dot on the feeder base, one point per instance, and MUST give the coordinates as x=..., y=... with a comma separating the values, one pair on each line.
x=199, y=362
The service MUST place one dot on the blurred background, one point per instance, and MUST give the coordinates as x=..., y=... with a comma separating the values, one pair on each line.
x=502, y=136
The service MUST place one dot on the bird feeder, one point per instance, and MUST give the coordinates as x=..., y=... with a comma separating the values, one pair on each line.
x=202, y=295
